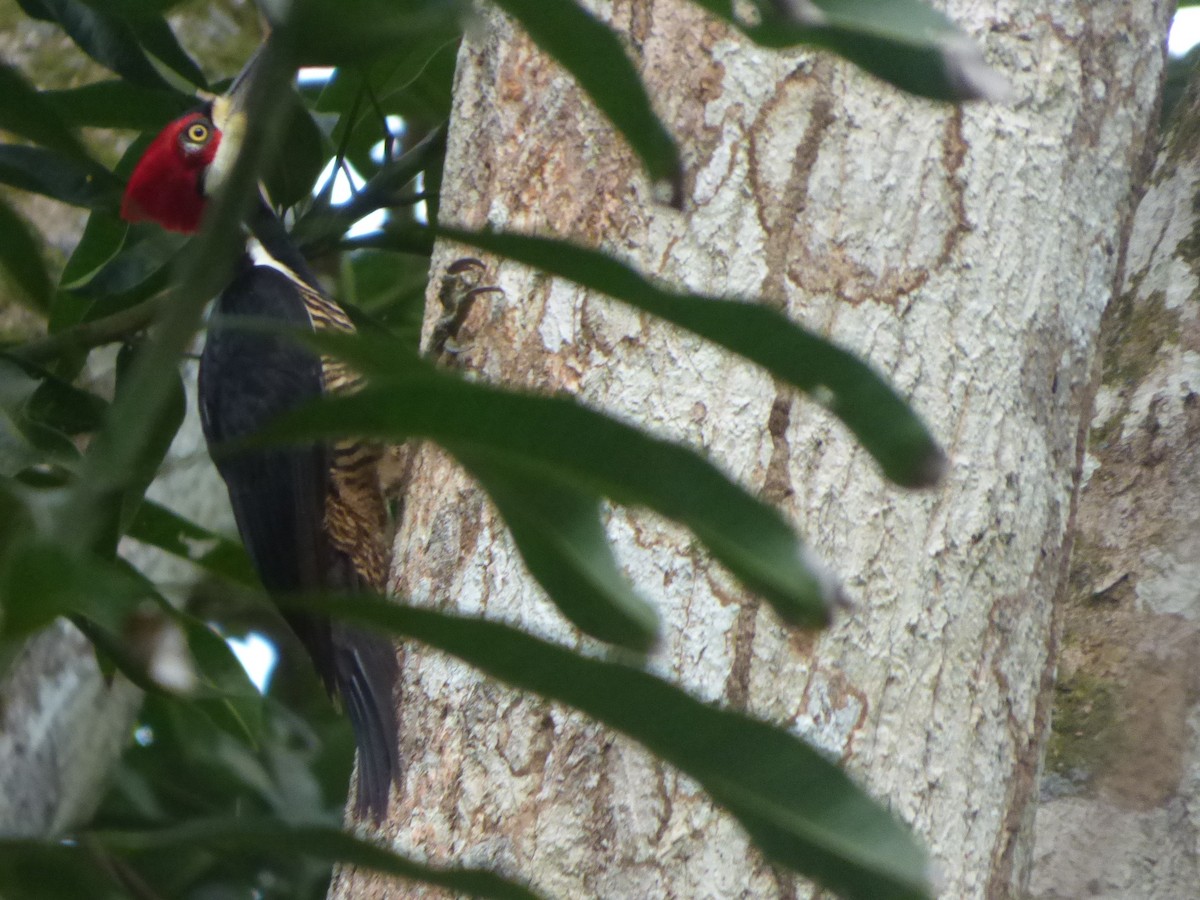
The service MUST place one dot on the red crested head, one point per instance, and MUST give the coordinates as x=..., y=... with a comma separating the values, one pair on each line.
x=168, y=184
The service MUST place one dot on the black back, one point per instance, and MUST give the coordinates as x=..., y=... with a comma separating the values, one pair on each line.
x=247, y=379
x=278, y=494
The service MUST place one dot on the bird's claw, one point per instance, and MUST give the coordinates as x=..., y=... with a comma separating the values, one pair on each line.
x=460, y=287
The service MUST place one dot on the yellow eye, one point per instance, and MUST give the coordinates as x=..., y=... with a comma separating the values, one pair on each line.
x=197, y=133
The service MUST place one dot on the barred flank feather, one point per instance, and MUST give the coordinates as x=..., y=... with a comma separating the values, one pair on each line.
x=312, y=518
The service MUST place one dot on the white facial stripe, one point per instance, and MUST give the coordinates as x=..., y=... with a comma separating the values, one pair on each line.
x=260, y=257
x=231, y=125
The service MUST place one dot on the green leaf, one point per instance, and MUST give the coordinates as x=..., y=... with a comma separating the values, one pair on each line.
x=14, y=514
x=141, y=467
x=115, y=265
x=388, y=286
x=159, y=527
x=798, y=806
x=46, y=870
x=119, y=104
x=425, y=101
x=107, y=601
x=25, y=441
x=389, y=77
x=155, y=36
x=116, y=653
x=30, y=114
x=883, y=423
x=103, y=36
x=102, y=239
x=219, y=761
x=41, y=580
x=117, y=499
x=905, y=42
x=323, y=225
x=413, y=81
x=292, y=175
x=43, y=171
x=592, y=53
x=140, y=268
x=557, y=439
x=21, y=257
x=16, y=450
x=415, y=63
x=227, y=696
x=60, y=405
x=332, y=34
x=243, y=835
x=558, y=531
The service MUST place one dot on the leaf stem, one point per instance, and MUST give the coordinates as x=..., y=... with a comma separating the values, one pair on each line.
x=87, y=335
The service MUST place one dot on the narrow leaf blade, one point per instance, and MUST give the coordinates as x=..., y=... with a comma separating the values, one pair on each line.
x=53, y=871
x=119, y=104
x=907, y=43
x=32, y=115
x=170, y=532
x=362, y=32
x=883, y=423
x=62, y=178
x=261, y=835
x=21, y=257
x=799, y=807
x=104, y=37
x=103, y=238
x=558, y=532
x=557, y=438
x=156, y=36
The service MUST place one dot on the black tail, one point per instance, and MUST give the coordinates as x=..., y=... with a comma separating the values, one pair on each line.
x=366, y=675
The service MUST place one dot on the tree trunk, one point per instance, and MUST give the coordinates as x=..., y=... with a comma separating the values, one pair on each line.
x=1121, y=814
x=63, y=723
x=968, y=253
x=62, y=726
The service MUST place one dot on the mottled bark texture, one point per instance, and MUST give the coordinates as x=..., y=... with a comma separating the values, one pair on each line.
x=968, y=253
x=63, y=723
x=58, y=717
x=1120, y=812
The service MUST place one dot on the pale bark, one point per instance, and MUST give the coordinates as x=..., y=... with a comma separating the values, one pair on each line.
x=61, y=727
x=968, y=253
x=63, y=723
x=1121, y=811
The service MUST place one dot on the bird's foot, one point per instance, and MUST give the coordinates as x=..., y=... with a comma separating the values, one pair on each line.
x=460, y=287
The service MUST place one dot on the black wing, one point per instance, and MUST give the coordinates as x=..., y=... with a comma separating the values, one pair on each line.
x=247, y=379
x=278, y=494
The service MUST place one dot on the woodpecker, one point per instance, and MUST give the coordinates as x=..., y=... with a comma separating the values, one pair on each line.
x=312, y=518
